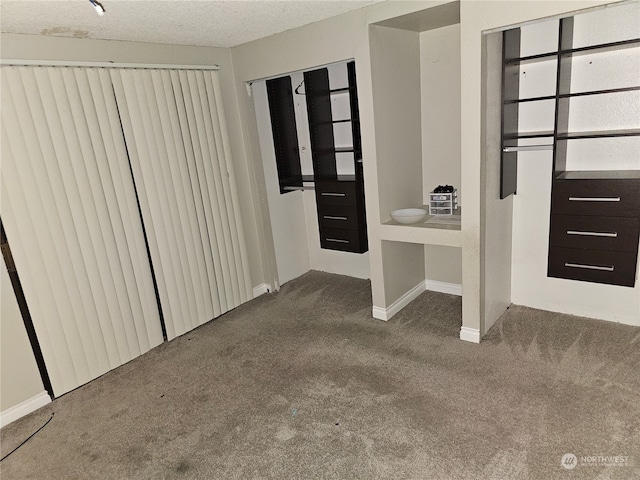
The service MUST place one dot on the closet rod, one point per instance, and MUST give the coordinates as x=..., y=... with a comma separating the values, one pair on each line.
x=58, y=63
x=526, y=148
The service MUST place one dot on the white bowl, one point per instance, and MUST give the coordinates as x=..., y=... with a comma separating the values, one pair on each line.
x=408, y=215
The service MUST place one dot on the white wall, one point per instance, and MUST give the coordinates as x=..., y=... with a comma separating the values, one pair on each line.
x=440, y=99
x=498, y=213
x=19, y=376
x=395, y=70
x=531, y=205
x=440, y=92
x=286, y=211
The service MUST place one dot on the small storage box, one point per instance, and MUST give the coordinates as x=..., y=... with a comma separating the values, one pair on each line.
x=443, y=203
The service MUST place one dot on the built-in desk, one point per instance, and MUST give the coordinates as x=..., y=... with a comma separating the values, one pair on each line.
x=444, y=230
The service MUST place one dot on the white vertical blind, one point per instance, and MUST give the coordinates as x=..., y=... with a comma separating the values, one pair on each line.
x=69, y=210
x=178, y=145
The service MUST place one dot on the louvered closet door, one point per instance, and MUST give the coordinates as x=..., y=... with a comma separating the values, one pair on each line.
x=70, y=213
x=179, y=149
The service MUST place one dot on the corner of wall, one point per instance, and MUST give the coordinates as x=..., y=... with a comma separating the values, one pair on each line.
x=24, y=408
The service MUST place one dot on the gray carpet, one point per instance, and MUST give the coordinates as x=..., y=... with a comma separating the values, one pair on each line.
x=304, y=384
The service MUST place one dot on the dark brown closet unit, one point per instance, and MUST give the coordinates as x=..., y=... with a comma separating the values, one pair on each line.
x=339, y=198
x=595, y=214
x=285, y=133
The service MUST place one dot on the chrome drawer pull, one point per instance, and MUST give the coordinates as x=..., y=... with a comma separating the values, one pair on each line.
x=331, y=217
x=594, y=199
x=589, y=267
x=329, y=194
x=592, y=234
x=336, y=240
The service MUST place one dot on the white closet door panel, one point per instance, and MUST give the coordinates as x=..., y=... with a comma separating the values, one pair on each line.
x=73, y=184
x=150, y=166
x=212, y=149
x=187, y=212
x=170, y=160
x=170, y=210
x=125, y=220
x=210, y=289
x=222, y=138
x=19, y=220
x=70, y=222
x=204, y=179
x=178, y=158
x=39, y=171
x=149, y=195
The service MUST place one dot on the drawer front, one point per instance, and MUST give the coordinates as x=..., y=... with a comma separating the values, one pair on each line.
x=595, y=233
x=616, y=198
x=339, y=239
x=335, y=193
x=338, y=216
x=613, y=268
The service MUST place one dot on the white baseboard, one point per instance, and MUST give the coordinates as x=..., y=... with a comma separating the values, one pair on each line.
x=470, y=334
x=385, y=314
x=379, y=313
x=443, y=287
x=24, y=408
x=261, y=289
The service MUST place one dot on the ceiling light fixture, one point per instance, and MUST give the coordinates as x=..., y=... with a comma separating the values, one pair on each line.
x=98, y=6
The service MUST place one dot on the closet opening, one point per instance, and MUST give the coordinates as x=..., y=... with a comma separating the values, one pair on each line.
x=309, y=130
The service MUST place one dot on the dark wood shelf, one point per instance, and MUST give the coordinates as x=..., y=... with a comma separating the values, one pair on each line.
x=523, y=135
x=598, y=175
x=339, y=178
x=284, y=131
x=313, y=179
x=599, y=92
x=601, y=48
x=570, y=95
x=540, y=57
x=345, y=120
x=531, y=99
x=598, y=134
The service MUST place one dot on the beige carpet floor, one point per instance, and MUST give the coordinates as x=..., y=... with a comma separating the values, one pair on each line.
x=305, y=384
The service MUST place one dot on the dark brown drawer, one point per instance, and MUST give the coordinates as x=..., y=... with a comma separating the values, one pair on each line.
x=599, y=197
x=338, y=216
x=339, y=239
x=335, y=193
x=617, y=234
x=613, y=268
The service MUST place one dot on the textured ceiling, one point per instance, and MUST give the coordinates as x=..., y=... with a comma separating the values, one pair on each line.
x=213, y=23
